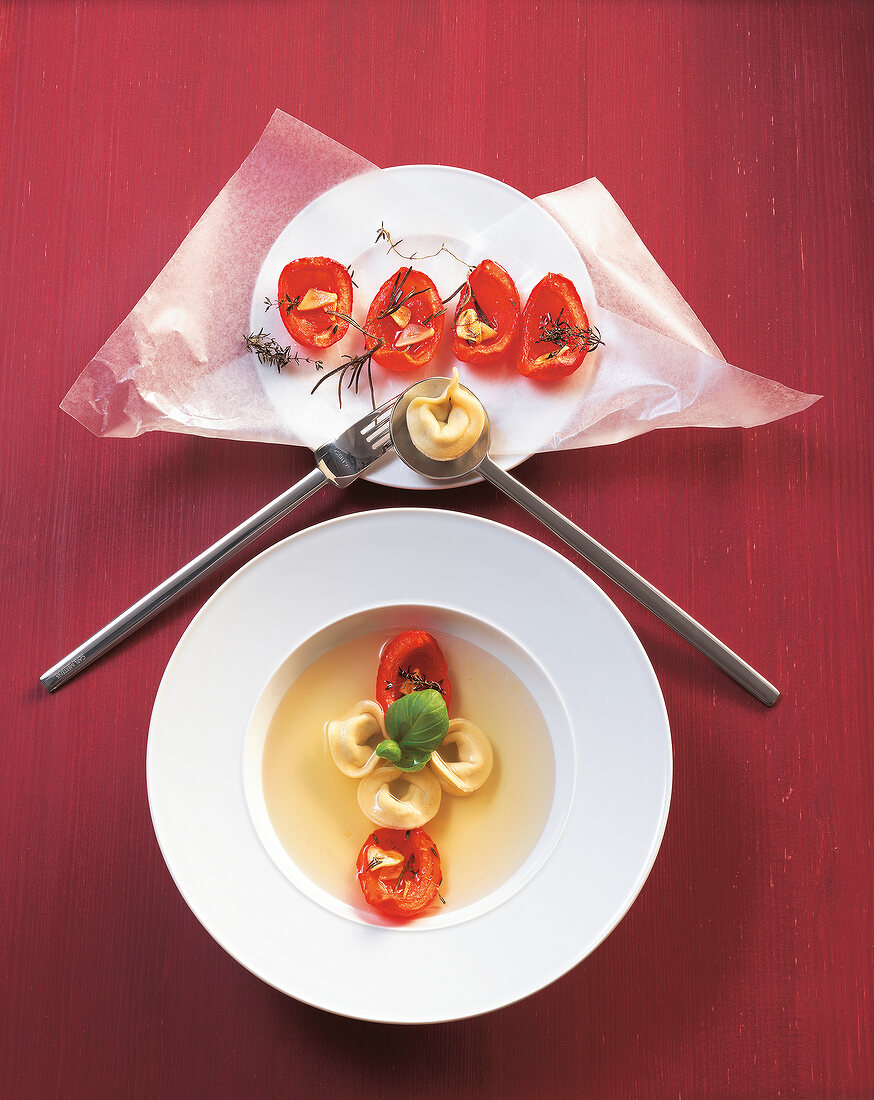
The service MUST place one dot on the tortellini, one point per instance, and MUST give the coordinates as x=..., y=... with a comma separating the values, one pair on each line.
x=475, y=758
x=394, y=799
x=447, y=426
x=352, y=740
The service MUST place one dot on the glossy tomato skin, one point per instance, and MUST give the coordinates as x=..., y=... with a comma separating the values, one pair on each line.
x=405, y=888
x=414, y=651
x=493, y=290
x=554, y=296
x=315, y=328
x=425, y=308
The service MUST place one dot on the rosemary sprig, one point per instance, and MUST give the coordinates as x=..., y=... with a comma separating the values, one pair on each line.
x=397, y=298
x=352, y=366
x=384, y=235
x=566, y=335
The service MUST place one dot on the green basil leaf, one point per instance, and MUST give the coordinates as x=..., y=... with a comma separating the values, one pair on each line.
x=418, y=722
x=389, y=750
x=412, y=761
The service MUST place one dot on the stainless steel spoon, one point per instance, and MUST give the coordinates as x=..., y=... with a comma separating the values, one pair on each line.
x=477, y=460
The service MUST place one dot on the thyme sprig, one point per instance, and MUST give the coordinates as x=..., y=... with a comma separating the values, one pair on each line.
x=409, y=868
x=270, y=351
x=418, y=682
x=286, y=302
x=565, y=335
x=384, y=235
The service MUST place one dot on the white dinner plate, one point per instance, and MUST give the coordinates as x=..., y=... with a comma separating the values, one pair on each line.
x=541, y=616
x=474, y=215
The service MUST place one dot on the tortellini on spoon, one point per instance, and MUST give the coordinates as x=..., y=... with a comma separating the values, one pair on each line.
x=446, y=427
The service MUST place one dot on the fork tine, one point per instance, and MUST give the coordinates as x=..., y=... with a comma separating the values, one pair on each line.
x=374, y=415
x=381, y=442
x=376, y=421
x=377, y=427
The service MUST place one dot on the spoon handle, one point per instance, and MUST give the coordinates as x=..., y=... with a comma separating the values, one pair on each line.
x=633, y=583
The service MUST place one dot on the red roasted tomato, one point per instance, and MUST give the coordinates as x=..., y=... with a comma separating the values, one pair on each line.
x=556, y=335
x=487, y=316
x=407, y=315
x=311, y=291
x=399, y=871
x=409, y=662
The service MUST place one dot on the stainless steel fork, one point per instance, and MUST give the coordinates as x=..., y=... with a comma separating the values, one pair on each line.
x=339, y=462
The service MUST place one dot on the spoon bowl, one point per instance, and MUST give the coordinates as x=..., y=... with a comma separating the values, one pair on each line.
x=409, y=453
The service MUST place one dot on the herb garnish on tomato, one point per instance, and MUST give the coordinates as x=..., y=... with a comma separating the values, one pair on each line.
x=399, y=871
x=315, y=300
x=411, y=661
x=407, y=315
x=487, y=316
x=556, y=335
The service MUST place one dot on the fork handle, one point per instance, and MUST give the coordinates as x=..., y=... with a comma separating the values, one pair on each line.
x=635, y=585
x=149, y=606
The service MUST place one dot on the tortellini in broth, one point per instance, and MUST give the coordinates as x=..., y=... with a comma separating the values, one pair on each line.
x=464, y=761
x=396, y=799
x=352, y=740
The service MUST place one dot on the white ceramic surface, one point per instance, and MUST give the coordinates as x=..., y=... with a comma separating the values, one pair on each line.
x=474, y=215
x=572, y=647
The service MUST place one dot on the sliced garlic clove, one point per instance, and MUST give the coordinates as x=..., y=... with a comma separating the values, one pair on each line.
x=413, y=334
x=549, y=355
x=475, y=758
x=473, y=328
x=316, y=299
x=352, y=740
x=468, y=326
x=401, y=316
x=394, y=799
x=385, y=864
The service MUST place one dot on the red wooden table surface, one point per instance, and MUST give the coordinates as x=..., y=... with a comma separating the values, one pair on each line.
x=736, y=136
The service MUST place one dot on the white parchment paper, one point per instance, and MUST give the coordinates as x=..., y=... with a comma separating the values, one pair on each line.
x=178, y=362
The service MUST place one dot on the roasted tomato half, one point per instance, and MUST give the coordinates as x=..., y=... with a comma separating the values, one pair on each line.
x=407, y=315
x=312, y=291
x=556, y=335
x=399, y=871
x=411, y=661
x=487, y=316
